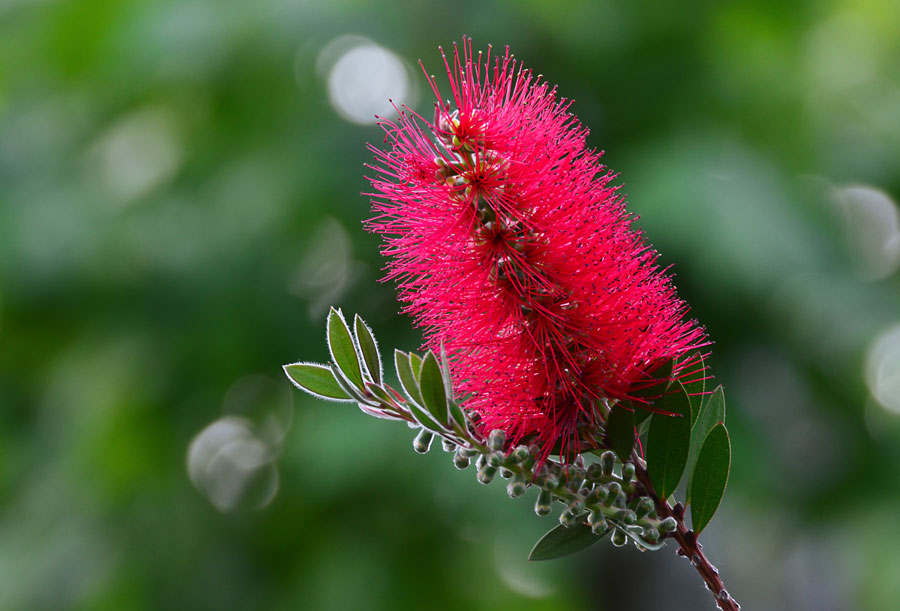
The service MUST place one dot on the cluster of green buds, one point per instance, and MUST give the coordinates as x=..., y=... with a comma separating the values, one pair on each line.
x=610, y=491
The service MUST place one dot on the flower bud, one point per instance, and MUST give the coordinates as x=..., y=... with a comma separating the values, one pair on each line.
x=628, y=472
x=607, y=461
x=495, y=459
x=447, y=445
x=626, y=516
x=643, y=507
x=481, y=462
x=486, y=474
x=521, y=454
x=668, y=525
x=619, y=538
x=651, y=535
x=505, y=473
x=594, y=472
x=516, y=486
x=614, y=491
x=422, y=442
x=460, y=460
x=543, y=506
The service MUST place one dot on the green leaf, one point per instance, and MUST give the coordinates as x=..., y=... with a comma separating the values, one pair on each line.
x=445, y=373
x=369, y=348
x=668, y=441
x=340, y=344
x=355, y=393
x=710, y=476
x=317, y=380
x=697, y=385
x=620, y=431
x=415, y=362
x=662, y=376
x=407, y=379
x=712, y=413
x=431, y=385
x=562, y=541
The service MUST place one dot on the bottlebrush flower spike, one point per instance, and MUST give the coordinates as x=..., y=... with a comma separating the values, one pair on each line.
x=514, y=251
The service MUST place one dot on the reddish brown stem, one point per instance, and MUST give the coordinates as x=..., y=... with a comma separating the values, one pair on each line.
x=688, y=546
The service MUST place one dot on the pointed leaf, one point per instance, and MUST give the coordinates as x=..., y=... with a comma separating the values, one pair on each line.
x=415, y=362
x=431, y=385
x=696, y=385
x=710, y=476
x=357, y=394
x=340, y=344
x=620, y=431
x=407, y=379
x=712, y=413
x=445, y=373
x=369, y=348
x=668, y=441
x=562, y=541
x=317, y=380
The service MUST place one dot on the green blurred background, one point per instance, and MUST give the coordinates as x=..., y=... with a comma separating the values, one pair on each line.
x=180, y=203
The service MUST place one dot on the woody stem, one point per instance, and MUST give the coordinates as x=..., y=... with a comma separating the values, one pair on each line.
x=688, y=546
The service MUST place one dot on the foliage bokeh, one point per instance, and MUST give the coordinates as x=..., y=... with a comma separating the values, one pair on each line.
x=180, y=204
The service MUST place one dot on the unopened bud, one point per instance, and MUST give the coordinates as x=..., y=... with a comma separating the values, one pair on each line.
x=594, y=472
x=460, y=460
x=567, y=517
x=651, y=535
x=516, y=486
x=668, y=525
x=495, y=459
x=481, y=462
x=619, y=538
x=422, y=442
x=626, y=516
x=448, y=445
x=521, y=454
x=543, y=506
x=628, y=472
x=505, y=473
x=614, y=491
x=607, y=461
x=486, y=475
x=497, y=439
x=644, y=507
x=596, y=518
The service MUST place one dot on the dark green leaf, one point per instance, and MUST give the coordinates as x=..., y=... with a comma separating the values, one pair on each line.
x=710, y=476
x=661, y=376
x=640, y=413
x=431, y=385
x=561, y=541
x=457, y=414
x=668, y=441
x=620, y=431
x=369, y=348
x=696, y=384
x=340, y=344
x=317, y=380
x=712, y=413
x=407, y=379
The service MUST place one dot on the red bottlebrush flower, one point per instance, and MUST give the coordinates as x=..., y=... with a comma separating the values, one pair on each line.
x=512, y=249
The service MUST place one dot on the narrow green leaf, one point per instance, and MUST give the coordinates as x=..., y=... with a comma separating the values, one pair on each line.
x=431, y=385
x=458, y=416
x=317, y=380
x=369, y=348
x=424, y=418
x=668, y=441
x=407, y=379
x=445, y=373
x=415, y=362
x=710, y=476
x=620, y=431
x=697, y=385
x=562, y=541
x=355, y=393
x=340, y=344
x=712, y=413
